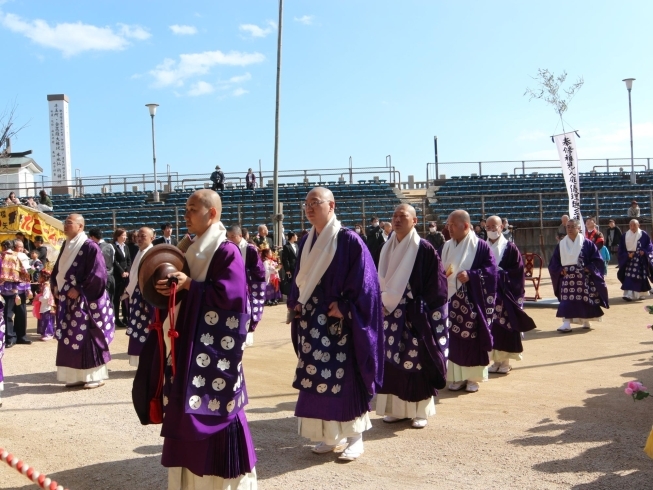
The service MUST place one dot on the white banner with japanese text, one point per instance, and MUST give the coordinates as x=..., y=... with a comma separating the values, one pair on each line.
x=566, y=144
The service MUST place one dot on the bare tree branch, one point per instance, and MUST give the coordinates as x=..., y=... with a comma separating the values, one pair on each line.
x=550, y=87
x=8, y=127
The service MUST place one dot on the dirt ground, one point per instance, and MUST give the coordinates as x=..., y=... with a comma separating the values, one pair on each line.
x=560, y=419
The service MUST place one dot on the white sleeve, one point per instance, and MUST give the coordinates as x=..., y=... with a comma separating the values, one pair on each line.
x=45, y=300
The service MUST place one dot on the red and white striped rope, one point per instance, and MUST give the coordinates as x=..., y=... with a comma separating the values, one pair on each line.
x=37, y=478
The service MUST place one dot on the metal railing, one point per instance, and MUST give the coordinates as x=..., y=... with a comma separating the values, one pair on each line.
x=498, y=167
x=171, y=181
x=245, y=214
x=598, y=208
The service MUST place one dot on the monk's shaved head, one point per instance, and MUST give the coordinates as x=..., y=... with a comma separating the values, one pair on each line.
x=321, y=193
x=208, y=198
x=461, y=216
x=77, y=218
x=408, y=208
x=494, y=220
x=146, y=229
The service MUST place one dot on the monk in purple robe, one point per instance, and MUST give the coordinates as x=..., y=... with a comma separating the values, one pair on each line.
x=85, y=317
x=207, y=443
x=576, y=270
x=337, y=331
x=509, y=319
x=255, y=277
x=471, y=287
x=141, y=313
x=414, y=296
x=635, y=261
x=2, y=351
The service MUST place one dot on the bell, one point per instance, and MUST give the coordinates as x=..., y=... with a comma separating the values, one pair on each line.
x=155, y=266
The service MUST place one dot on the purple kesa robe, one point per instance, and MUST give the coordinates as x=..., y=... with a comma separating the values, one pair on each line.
x=141, y=316
x=416, y=338
x=204, y=422
x=471, y=309
x=85, y=326
x=2, y=348
x=634, y=272
x=340, y=362
x=255, y=284
x=580, y=288
x=509, y=318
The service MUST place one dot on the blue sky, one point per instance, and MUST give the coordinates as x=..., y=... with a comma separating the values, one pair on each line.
x=360, y=78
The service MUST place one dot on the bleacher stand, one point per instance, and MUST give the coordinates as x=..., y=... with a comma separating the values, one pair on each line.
x=136, y=209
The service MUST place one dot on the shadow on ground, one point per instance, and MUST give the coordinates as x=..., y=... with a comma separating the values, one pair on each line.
x=614, y=428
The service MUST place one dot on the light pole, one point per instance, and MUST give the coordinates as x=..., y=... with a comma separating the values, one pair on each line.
x=275, y=189
x=152, y=108
x=629, y=86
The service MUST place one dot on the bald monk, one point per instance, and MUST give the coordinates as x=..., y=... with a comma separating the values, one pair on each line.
x=141, y=313
x=509, y=319
x=337, y=331
x=414, y=296
x=207, y=443
x=255, y=277
x=471, y=287
x=85, y=321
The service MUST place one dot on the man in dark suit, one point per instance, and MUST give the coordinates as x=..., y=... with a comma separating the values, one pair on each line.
x=166, y=229
x=121, y=264
x=288, y=260
x=374, y=236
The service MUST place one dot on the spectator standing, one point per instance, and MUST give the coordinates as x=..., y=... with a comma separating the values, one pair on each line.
x=613, y=237
x=167, y=238
x=14, y=281
x=593, y=234
x=109, y=255
x=507, y=230
x=121, y=264
x=289, y=260
x=41, y=249
x=483, y=233
x=263, y=237
x=250, y=180
x=562, y=229
x=374, y=237
x=633, y=210
x=358, y=228
x=435, y=237
x=387, y=231
x=132, y=243
x=217, y=179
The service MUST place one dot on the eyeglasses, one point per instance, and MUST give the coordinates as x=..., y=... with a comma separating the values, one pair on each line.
x=314, y=203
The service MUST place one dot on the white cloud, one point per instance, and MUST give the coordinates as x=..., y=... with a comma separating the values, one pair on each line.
x=307, y=20
x=171, y=72
x=183, y=30
x=240, y=78
x=200, y=88
x=134, y=32
x=239, y=91
x=256, y=31
x=72, y=39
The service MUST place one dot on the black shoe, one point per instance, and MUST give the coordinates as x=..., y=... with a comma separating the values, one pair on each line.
x=119, y=324
x=24, y=342
x=9, y=345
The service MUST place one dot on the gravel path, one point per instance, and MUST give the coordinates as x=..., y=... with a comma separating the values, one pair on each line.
x=559, y=420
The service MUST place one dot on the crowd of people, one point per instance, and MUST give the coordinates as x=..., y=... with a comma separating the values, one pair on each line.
x=378, y=312
x=43, y=203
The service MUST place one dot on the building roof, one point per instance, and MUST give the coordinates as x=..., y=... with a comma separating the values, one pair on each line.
x=21, y=162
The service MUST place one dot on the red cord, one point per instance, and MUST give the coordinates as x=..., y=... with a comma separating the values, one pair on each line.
x=172, y=333
x=158, y=326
